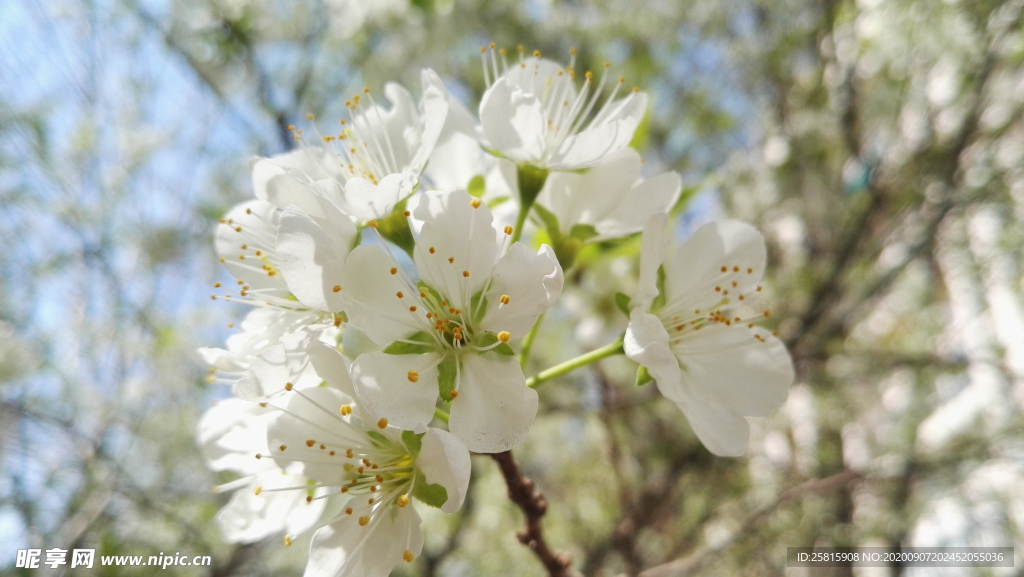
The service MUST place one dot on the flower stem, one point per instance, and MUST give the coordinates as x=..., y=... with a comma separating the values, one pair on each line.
x=583, y=360
x=524, y=355
x=440, y=415
x=530, y=180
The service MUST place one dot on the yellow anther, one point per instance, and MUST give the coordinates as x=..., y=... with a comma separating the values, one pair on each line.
x=259, y=456
x=336, y=288
x=310, y=442
x=432, y=250
x=453, y=394
x=363, y=521
x=508, y=230
x=406, y=213
x=309, y=116
x=413, y=376
x=475, y=203
x=283, y=447
x=408, y=556
x=288, y=386
x=465, y=273
x=403, y=500
x=399, y=294
x=536, y=53
x=259, y=489
x=394, y=270
x=372, y=223
x=504, y=336
x=287, y=540
x=309, y=498
x=216, y=285
x=451, y=260
x=483, y=49
x=767, y=313
x=382, y=423
x=412, y=309
x=505, y=299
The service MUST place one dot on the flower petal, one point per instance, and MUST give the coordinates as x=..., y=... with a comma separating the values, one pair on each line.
x=695, y=267
x=513, y=122
x=727, y=366
x=372, y=300
x=289, y=179
x=532, y=281
x=464, y=241
x=253, y=225
x=312, y=415
x=248, y=517
x=653, y=243
x=311, y=261
x=231, y=433
x=445, y=461
x=594, y=195
x=589, y=147
x=346, y=549
x=638, y=203
x=384, y=385
x=269, y=373
x=367, y=200
x=646, y=343
x=332, y=366
x=724, y=433
x=495, y=408
x=433, y=112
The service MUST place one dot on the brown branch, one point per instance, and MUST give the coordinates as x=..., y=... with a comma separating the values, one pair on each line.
x=523, y=492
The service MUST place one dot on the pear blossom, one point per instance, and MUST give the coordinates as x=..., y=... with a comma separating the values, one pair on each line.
x=377, y=468
x=687, y=329
x=447, y=334
x=233, y=436
x=368, y=167
x=533, y=113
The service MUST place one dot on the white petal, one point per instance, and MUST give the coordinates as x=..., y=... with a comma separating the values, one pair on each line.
x=636, y=205
x=310, y=261
x=332, y=366
x=345, y=549
x=445, y=461
x=594, y=195
x=220, y=359
x=382, y=384
x=248, y=517
x=540, y=76
x=653, y=242
x=312, y=416
x=269, y=373
x=513, y=122
x=591, y=146
x=495, y=408
x=288, y=180
x=456, y=231
x=694, y=268
x=631, y=107
x=646, y=343
x=433, y=111
x=723, y=433
x=728, y=367
x=372, y=301
x=369, y=201
x=532, y=281
x=231, y=433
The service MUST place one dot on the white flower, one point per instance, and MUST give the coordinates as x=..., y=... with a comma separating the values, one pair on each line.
x=610, y=198
x=377, y=467
x=447, y=334
x=533, y=115
x=716, y=365
x=264, y=328
x=233, y=435
x=364, y=171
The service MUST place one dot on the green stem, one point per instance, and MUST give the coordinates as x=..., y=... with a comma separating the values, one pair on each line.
x=524, y=355
x=440, y=415
x=573, y=364
x=524, y=211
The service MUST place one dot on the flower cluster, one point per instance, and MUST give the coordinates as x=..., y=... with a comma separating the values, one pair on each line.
x=391, y=298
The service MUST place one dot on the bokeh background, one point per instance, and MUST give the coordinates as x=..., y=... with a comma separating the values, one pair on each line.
x=878, y=144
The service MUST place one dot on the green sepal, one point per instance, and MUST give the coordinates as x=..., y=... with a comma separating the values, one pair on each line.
x=583, y=232
x=530, y=180
x=395, y=228
x=643, y=376
x=476, y=186
x=622, y=301
x=429, y=494
x=400, y=348
x=659, y=301
x=488, y=339
x=446, y=374
x=379, y=440
x=413, y=442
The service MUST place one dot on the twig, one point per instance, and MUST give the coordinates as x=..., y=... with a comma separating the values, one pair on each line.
x=523, y=492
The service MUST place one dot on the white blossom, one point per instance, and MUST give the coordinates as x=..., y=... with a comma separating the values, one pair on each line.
x=711, y=360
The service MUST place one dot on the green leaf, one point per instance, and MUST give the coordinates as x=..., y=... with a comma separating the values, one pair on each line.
x=659, y=301
x=413, y=442
x=642, y=376
x=488, y=339
x=622, y=301
x=583, y=232
x=430, y=494
x=447, y=372
x=476, y=186
x=403, y=348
